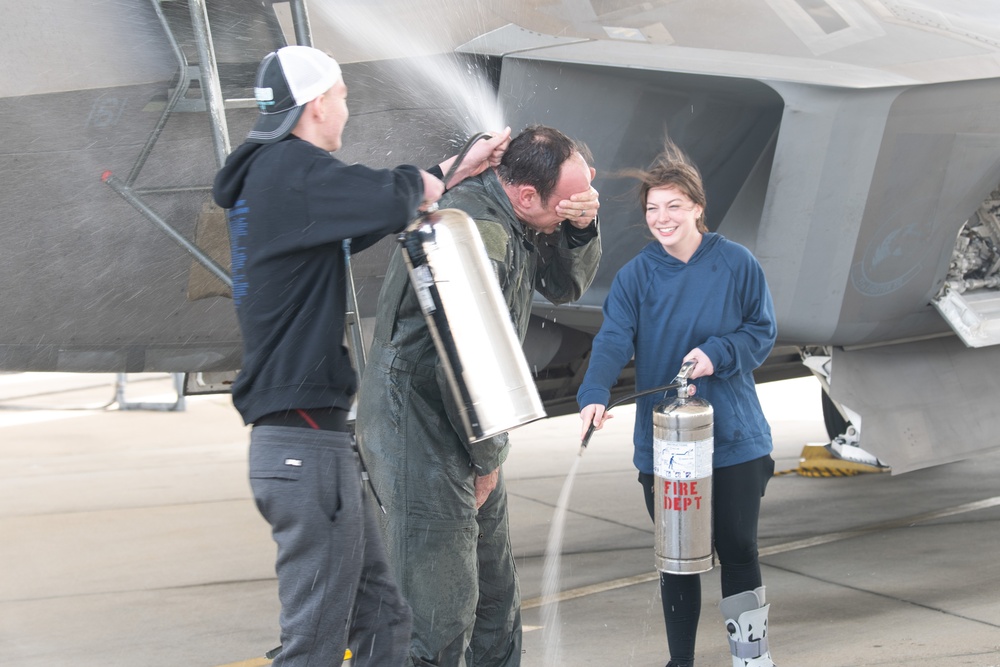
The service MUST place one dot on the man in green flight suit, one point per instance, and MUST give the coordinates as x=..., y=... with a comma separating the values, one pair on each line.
x=446, y=524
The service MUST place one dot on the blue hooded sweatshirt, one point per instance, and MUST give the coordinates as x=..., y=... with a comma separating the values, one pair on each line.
x=659, y=309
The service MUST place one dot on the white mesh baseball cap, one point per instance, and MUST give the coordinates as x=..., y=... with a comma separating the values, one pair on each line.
x=286, y=80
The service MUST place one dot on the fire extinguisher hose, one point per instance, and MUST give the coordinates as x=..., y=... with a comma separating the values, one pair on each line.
x=679, y=381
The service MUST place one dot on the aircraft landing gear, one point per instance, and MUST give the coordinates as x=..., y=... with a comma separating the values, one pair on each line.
x=843, y=455
x=845, y=438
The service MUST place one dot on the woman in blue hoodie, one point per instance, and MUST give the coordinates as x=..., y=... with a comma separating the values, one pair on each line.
x=692, y=295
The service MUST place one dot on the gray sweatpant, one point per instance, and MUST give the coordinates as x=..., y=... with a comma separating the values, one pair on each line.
x=334, y=584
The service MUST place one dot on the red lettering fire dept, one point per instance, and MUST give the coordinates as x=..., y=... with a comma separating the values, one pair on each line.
x=680, y=496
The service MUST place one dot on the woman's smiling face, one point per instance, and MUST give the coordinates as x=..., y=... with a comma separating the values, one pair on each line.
x=672, y=219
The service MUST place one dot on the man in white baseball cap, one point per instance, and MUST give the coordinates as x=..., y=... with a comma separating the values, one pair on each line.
x=287, y=80
x=291, y=205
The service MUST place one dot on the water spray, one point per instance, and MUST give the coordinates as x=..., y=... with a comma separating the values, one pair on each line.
x=411, y=44
x=553, y=550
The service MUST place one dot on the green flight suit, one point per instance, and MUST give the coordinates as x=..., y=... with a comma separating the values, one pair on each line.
x=453, y=563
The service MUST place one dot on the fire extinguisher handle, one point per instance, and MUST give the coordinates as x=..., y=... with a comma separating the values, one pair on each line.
x=685, y=372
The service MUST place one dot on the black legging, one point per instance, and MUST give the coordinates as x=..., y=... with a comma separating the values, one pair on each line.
x=736, y=494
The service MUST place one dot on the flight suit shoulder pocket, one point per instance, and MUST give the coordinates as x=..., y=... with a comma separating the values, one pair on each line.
x=495, y=239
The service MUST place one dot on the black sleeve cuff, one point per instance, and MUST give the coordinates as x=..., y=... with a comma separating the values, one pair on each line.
x=436, y=171
x=576, y=237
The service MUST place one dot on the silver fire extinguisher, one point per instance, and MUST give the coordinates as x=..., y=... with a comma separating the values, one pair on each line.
x=683, y=444
x=469, y=320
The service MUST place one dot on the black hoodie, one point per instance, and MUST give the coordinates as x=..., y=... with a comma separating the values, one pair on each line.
x=291, y=205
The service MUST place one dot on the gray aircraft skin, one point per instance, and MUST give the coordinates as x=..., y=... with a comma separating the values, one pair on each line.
x=852, y=145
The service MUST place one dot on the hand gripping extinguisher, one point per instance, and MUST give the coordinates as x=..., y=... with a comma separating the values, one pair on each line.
x=683, y=443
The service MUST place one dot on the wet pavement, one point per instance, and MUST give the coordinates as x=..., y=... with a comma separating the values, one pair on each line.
x=130, y=538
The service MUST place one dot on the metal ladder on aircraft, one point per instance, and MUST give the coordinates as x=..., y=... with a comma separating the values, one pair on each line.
x=206, y=75
x=178, y=405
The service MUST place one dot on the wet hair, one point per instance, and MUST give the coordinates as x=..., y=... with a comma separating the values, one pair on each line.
x=672, y=168
x=535, y=157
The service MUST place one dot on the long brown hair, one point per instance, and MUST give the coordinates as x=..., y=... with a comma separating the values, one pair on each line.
x=672, y=168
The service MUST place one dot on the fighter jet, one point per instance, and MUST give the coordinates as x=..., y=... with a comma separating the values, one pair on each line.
x=852, y=145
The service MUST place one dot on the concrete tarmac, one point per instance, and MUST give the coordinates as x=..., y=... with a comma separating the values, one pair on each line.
x=129, y=538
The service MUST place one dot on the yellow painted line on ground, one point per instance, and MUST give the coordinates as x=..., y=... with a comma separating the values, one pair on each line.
x=614, y=584
x=252, y=662
x=260, y=662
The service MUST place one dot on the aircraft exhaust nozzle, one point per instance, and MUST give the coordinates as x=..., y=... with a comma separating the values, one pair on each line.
x=683, y=444
x=470, y=323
